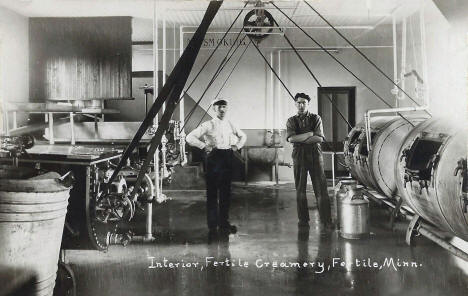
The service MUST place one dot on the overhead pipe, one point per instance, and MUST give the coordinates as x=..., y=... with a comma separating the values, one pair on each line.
x=305, y=27
x=403, y=56
x=395, y=59
x=368, y=114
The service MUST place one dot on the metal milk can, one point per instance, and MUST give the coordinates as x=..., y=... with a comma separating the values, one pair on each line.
x=353, y=211
x=345, y=184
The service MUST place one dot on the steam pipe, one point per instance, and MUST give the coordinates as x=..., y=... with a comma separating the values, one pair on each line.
x=395, y=58
x=368, y=114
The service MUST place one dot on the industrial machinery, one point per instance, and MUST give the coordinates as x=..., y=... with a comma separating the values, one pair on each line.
x=419, y=162
x=370, y=163
x=431, y=175
x=95, y=210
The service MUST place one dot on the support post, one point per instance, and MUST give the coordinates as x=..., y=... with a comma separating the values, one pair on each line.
x=50, y=119
x=246, y=165
x=276, y=166
x=72, y=128
x=333, y=168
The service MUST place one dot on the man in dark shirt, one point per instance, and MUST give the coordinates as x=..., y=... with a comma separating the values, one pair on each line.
x=305, y=132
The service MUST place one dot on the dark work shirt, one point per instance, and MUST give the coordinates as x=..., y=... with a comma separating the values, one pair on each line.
x=300, y=124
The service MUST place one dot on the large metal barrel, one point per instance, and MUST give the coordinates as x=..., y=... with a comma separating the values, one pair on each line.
x=384, y=151
x=32, y=216
x=359, y=158
x=431, y=174
x=375, y=168
x=350, y=144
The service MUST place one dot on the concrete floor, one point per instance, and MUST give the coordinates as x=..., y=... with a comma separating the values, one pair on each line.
x=268, y=233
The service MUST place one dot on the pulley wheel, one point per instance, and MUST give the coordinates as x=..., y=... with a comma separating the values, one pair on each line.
x=261, y=19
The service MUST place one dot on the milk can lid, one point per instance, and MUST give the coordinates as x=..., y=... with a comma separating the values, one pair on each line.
x=357, y=199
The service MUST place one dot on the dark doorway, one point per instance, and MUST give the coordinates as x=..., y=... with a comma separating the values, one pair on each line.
x=334, y=127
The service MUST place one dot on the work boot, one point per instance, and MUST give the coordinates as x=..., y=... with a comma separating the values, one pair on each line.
x=228, y=229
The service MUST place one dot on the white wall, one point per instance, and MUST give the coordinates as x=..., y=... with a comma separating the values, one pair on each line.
x=14, y=58
x=446, y=49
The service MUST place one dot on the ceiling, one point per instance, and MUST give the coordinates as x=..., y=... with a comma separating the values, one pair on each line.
x=190, y=13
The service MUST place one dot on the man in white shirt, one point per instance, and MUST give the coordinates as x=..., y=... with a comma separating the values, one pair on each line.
x=220, y=138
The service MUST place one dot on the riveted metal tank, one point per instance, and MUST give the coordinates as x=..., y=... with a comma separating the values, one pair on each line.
x=361, y=153
x=359, y=157
x=350, y=144
x=384, y=152
x=431, y=174
x=375, y=168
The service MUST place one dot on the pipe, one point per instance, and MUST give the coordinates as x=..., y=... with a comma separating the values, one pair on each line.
x=181, y=104
x=424, y=55
x=155, y=92
x=221, y=9
x=422, y=229
x=279, y=89
x=173, y=45
x=155, y=56
x=309, y=27
x=247, y=33
x=367, y=128
x=149, y=222
x=368, y=114
x=403, y=56
x=35, y=127
x=395, y=59
x=164, y=66
x=272, y=92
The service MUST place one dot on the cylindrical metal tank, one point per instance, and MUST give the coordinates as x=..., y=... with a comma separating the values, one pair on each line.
x=375, y=168
x=385, y=147
x=431, y=174
x=361, y=153
x=350, y=144
x=358, y=157
x=32, y=216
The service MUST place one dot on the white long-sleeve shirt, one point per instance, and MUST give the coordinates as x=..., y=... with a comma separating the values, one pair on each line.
x=217, y=133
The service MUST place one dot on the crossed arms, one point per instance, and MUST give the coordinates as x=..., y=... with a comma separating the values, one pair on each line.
x=306, y=138
x=315, y=136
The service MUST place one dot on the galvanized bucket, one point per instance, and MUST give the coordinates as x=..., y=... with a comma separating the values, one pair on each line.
x=32, y=216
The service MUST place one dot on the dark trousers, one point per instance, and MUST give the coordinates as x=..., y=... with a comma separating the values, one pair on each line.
x=218, y=187
x=319, y=183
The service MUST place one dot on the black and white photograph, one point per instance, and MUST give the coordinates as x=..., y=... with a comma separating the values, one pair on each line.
x=233, y=148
